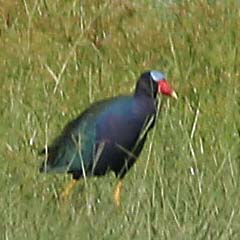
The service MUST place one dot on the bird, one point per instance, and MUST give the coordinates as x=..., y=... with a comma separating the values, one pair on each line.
x=109, y=135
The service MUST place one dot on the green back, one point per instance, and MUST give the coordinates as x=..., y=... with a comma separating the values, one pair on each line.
x=74, y=149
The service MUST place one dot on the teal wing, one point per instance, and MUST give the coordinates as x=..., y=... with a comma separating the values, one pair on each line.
x=73, y=151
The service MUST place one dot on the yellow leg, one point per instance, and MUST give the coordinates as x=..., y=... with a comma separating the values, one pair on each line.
x=68, y=189
x=117, y=193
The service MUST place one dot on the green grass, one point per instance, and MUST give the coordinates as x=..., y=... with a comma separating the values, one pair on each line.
x=59, y=56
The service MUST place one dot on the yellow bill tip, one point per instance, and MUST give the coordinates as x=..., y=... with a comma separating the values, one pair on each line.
x=174, y=95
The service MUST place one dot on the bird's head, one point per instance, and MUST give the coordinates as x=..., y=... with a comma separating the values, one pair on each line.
x=152, y=82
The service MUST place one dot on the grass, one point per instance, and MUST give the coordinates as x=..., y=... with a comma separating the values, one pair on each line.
x=59, y=56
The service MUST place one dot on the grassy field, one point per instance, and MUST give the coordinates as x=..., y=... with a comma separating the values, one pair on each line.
x=57, y=57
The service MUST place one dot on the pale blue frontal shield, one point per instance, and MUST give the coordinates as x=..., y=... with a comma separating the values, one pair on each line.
x=157, y=76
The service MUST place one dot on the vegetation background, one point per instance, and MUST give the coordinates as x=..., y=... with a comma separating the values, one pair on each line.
x=57, y=57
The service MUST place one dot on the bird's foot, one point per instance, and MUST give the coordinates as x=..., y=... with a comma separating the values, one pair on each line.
x=64, y=195
x=117, y=194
